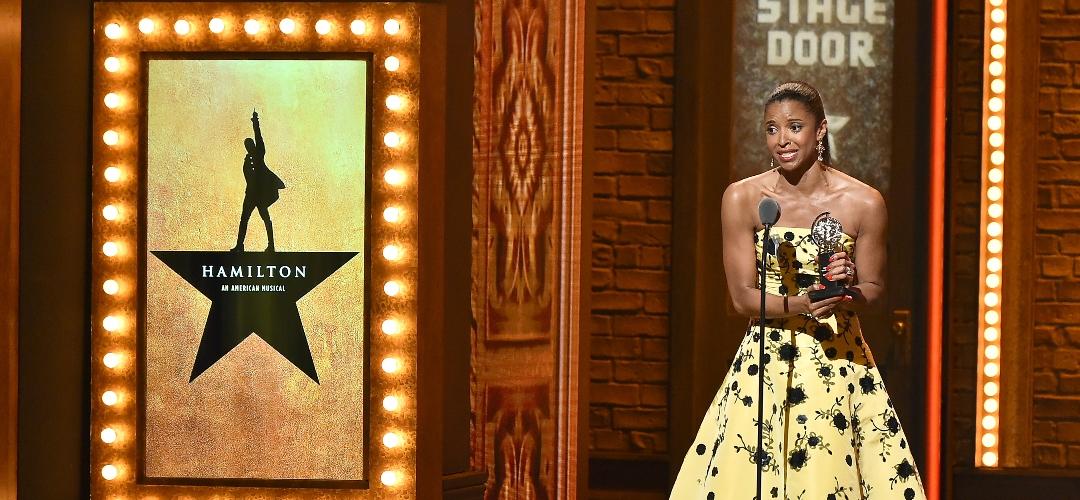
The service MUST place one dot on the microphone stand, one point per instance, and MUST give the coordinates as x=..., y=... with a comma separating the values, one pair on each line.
x=760, y=458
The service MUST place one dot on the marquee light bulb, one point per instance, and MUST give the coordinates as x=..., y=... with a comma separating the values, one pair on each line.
x=992, y=352
x=394, y=177
x=995, y=104
x=110, y=212
x=217, y=25
x=990, y=459
x=322, y=26
x=110, y=287
x=391, y=327
x=392, y=440
x=392, y=288
x=990, y=405
x=994, y=210
x=252, y=26
x=109, y=398
x=112, y=174
x=182, y=27
x=991, y=317
x=997, y=85
x=392, y=252
x=392, y=26
x=392, y=215
x=110, y=249
x=995, y=175
x=993, y=264
x=392, y=63
x=112, y=100
x=993, y=193
x=997, y=35
x=109, y=472
x=990, y=389
x=997, y=15
x=997, y=157
x=990, y=299
x=989, y=422
x=358, y=27
x=392, y=139
x=996, y=139
x=997, y=51
x=993, y=123
x=111, y=323
x=993, y=281
x=990, y=334
x=996, y=68
x=989, y=440
x=395, y=102
x=112, y=64
x=110, y=137
x=994, y=246
x=991, y=369
x=108, y=435
x=390, y=478
x=391, y=365
x=113, y=31
x=146, y=25
x=391, y=403
x=287, y=26
x=993, y=229
x=111, y=360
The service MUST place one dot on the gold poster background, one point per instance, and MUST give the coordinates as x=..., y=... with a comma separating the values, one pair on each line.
x=253, y=414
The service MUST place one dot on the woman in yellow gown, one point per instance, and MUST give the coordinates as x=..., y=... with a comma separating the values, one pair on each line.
x=830, y=430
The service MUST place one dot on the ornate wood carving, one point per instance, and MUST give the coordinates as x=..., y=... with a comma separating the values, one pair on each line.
x=526, y=295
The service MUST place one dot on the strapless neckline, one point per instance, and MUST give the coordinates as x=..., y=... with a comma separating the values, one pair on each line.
x=803, y=229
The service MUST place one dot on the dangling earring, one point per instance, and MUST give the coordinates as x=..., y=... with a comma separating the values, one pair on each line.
x=772, y=162
x=820, y=151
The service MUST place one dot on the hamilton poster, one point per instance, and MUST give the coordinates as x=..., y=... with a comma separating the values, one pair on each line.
x=255, y=212
x=844, y=48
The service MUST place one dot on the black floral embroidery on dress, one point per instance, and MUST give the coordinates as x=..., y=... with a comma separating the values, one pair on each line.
x=904, y=471
x=805, y=360
x=788, y=352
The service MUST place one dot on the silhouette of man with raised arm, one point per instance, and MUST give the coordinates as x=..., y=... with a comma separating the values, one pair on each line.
x=262, y=187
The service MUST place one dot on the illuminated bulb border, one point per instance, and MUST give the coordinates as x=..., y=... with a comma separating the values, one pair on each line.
x=169, y=27
x=991, y=271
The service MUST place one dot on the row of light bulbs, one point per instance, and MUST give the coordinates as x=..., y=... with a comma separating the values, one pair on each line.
x=217, y=25
x=989, y=359
x=393, y=177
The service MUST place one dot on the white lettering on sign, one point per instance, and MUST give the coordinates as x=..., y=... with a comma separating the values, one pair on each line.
x=808, y=48
x=823, y=11
x=832, y=47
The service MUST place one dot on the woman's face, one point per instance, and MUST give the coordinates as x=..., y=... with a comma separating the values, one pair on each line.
x=792, y=133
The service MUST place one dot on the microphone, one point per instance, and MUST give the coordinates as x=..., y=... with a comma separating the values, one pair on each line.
x=769, y=212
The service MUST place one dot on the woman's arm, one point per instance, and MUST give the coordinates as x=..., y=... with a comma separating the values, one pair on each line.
x=870, y=254
x=740, y=264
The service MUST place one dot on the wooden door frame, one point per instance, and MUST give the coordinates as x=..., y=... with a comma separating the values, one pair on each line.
x=10, y=89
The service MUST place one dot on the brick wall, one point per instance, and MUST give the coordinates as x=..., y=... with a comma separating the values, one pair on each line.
x=965, y=128
x=632, y=226
x=1056, y=431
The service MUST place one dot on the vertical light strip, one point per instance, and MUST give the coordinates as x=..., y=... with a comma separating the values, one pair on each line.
x=936, y=250
x=122, y=32
x=992, y=233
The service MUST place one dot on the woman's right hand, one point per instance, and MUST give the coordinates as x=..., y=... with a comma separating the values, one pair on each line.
x=826, y=307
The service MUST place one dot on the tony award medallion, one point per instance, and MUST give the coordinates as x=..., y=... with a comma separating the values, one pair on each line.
x=826, y=232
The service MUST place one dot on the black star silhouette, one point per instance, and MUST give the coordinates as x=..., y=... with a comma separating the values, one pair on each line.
x=254, y=293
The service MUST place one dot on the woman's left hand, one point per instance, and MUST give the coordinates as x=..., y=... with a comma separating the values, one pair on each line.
x=841, y=269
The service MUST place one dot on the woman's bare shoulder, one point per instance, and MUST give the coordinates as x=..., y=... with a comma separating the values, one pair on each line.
x=861, y=200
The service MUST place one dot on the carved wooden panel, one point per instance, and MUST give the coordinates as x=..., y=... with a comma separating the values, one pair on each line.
x=527, y=120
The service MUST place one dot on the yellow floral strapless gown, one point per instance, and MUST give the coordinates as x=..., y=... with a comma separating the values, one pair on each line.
x=830, y=431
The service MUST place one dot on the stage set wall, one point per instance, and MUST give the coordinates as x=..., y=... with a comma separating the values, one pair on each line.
x=639, y=206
